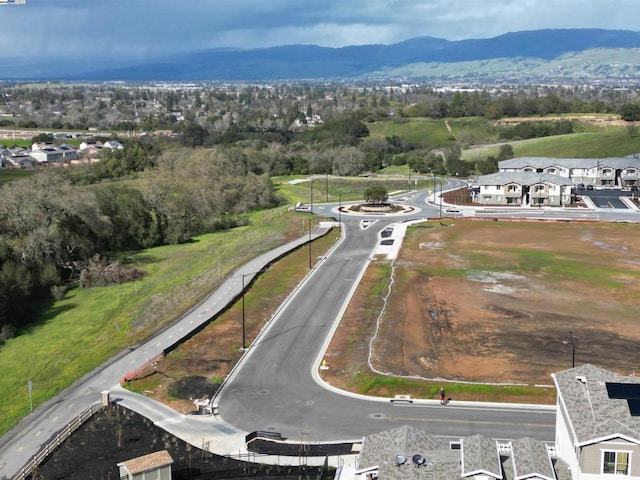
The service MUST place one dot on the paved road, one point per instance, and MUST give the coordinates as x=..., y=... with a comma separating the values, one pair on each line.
x=20, y=444
x=275, y=389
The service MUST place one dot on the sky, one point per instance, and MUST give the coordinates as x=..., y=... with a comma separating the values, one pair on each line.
x=123, y=29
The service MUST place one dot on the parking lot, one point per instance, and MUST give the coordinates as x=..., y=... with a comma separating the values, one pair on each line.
x=606, y=197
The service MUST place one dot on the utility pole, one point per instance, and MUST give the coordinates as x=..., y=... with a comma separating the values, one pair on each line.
x=311, y=212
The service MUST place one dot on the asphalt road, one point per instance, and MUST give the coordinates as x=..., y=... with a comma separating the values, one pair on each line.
x=276, y=388
x=20, y=444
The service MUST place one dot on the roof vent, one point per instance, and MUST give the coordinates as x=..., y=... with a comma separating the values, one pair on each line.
x=581, y=379
x=400, y=460
x=418, y=460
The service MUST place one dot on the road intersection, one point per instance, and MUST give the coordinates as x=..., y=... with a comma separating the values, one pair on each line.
x=276, y=387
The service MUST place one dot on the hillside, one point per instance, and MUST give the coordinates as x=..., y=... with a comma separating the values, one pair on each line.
x=539, y=52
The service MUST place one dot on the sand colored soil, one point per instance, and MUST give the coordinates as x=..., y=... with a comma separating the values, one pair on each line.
x=495, y=302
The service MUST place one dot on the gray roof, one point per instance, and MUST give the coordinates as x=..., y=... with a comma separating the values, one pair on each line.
x=522, y=178
x=480, y=456
x=381, y=449
x=592, y=414
x=544, y=162
x=530, y=459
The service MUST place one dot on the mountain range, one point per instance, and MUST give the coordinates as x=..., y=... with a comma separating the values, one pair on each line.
x=561, y=53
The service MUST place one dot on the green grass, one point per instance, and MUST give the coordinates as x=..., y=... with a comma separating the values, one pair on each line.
x=612, y=143
x=420, y=131
x=384, y=386
x=89, y=326
x=345, y=189
x=8, y=174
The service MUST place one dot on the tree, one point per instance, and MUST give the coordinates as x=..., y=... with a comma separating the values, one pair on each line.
x=42, y=137
x=505, y=152
x=376, y=194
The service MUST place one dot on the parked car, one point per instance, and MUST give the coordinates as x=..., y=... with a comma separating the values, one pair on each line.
x=581, y=186
x=589, y=187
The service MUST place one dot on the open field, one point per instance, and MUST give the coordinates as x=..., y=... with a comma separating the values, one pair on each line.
x=493, y=302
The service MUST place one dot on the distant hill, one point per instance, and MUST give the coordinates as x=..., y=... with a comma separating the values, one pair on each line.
x=424, y=56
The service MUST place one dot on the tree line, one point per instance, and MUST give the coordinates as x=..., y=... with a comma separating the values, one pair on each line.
x=51, y=231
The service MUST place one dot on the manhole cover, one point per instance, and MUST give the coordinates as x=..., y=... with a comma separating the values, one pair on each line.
x=377, y=415
x=263, y=392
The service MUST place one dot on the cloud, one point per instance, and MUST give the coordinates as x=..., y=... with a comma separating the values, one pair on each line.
x=148, y=28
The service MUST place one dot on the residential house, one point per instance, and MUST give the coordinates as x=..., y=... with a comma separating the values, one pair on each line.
x=598, y=423
x=90, y=144
x=523, y=189
x=154, y=466
x=113, y=144
x=41, y=145
x=48, y=154
x=610, y=171
x=69, y=152
x=409, y=453
x=18, y=157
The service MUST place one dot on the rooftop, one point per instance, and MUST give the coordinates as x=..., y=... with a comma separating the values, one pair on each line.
x=593, y=413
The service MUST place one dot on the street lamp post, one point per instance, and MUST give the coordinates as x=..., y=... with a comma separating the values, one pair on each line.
x=340, y=210
x=311, y=212
x=573, y=350
x=326, y=184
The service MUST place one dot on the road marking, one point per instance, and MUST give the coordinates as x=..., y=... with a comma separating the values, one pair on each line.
x=19, y=450
x=475, y=422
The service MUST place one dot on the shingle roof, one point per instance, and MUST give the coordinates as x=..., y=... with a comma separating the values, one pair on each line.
x=480, y=455
x=592, y=414
x=544, y=162
x=147, y=462
x=522, y=178
x=530, y=459
x=381, y=449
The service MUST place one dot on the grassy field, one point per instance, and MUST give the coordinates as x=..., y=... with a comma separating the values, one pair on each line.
x=593, y=137
x=8, y=174
x=420, y=131
x=345, y=189
x=53, y=353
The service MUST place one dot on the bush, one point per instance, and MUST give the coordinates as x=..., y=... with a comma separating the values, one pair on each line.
x=59, y=291
x=101, y=272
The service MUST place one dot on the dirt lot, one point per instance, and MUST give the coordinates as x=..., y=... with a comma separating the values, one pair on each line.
x=472, y=301
x=495, y=302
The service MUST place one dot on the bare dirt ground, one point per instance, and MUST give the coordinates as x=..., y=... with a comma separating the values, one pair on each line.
x=115, y=434
x=472, y=301
x=495, y=302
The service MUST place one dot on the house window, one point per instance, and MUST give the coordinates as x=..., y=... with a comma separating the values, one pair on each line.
x=528, y=170
x=631, y=171
x=551, y=170
x=616, y=463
